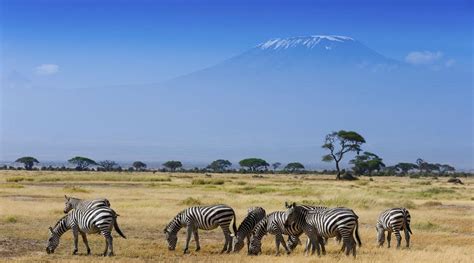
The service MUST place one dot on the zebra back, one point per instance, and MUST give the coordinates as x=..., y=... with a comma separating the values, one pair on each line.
x=75, y=203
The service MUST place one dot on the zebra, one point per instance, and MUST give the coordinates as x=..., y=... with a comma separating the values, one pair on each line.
x=73, y=203
x=394, y=220
x=321, y=224
x=314, y=208
x=201, y=217
x=274, y=224
x=254, y=215
x=86, y=221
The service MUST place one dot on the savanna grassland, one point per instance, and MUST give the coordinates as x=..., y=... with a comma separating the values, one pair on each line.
x=442, y=214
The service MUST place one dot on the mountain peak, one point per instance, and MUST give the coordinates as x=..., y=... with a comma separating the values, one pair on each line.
x=304, y=41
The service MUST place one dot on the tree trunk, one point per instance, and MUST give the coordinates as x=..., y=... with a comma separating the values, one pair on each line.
x=338, y=176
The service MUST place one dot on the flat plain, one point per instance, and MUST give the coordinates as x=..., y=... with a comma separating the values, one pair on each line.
x=31, y=201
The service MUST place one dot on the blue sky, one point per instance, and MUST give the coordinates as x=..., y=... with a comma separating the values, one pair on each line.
x=97, y=43
x=91, y=44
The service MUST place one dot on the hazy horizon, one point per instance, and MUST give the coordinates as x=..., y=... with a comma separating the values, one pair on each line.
x=166, y=80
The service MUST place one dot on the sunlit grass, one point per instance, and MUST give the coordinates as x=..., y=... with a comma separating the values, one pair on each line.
x=442, y=216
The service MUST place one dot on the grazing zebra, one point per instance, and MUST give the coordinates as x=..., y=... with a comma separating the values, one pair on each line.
x=86, y=221
x=274, y=223
x=201, y=217
x=322, y=224
x=254, y=215
x=74, y=203
x=394, y=220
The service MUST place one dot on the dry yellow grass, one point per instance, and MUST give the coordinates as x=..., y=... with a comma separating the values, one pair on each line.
x=442, y=214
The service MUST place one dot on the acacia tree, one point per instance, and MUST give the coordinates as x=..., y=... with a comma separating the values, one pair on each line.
x=138, y=165
x=367, y=163
x=445, y=168
x=340, y=143
x=27, y=161
x=405, y=167
x=173, y=165
x=253, y=164
x=276, y=165
x=108, y=165
x=293, y=167
x=81, y=162
x=219, y=165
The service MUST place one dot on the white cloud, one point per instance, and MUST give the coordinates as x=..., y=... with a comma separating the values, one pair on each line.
x=46, y=69
x=450, y=63
x=423, y=57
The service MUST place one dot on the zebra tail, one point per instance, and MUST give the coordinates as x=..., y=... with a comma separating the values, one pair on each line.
x=357, y=234
x=118, y=229
x=234, y=227
x=407, y=225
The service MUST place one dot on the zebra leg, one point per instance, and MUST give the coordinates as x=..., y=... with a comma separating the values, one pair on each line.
x=278, y=238
x=323, y=245
x=248, y=243
x=399, y=238
x=228, y=239
x=84, y=239
x=196, y=239
x=308, y=246
x=288, y=251
x=189, y=232
x=75, y=233
x=389, y=238
x=354, y=246
x=407, y=238
x=106, y=244
x=111, y=244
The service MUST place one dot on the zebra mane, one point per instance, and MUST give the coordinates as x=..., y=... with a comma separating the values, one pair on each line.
x=59, y=221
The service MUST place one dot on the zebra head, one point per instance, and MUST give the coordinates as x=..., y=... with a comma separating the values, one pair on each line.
x=255, y=247
x=293, y=242
x=53, y=241
x=237, y=243
x=380, y=235
x=68, y=204
x=291, y=214
x=171, y=238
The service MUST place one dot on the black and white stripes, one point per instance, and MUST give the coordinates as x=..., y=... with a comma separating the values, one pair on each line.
x=394, y=220
x=201, y=217
x=74, y=203
x=254, y=215
x=86, y=221
x=327, y=223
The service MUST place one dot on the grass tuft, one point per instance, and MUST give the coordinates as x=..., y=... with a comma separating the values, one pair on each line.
x=204, y=182
x=190, y=201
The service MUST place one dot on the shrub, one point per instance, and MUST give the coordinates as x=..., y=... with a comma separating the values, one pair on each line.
x=203, y=182
x=190, y=201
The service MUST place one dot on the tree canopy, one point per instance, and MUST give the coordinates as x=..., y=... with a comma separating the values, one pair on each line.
x=173, y=165
x=108, y=165
x=367, y=163
x=27, y=161
x=404, y=168
x=219, y=165
x=275, y=165
x=340, y=143
x=81, y=162
x=253, y=164
x=138, y=165
x=293, y=167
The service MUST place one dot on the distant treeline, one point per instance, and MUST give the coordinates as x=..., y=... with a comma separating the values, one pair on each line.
x=336, y=143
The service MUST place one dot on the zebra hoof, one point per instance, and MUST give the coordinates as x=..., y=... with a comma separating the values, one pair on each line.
x=74, y=252
x=198, y=248
x=88, y=252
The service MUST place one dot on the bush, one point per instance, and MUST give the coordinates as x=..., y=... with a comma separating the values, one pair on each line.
x=190, y=201
x=204, y=182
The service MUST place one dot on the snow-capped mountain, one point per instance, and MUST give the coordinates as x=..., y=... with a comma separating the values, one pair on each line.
x=322, y=41
x=282, y=95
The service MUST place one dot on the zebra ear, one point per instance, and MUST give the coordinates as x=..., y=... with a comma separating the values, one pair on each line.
x=294, y=204
x=67, y=198
x=50, y=230
x=286, y=204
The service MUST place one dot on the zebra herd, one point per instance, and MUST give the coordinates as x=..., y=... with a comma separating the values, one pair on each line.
x=318, y=223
